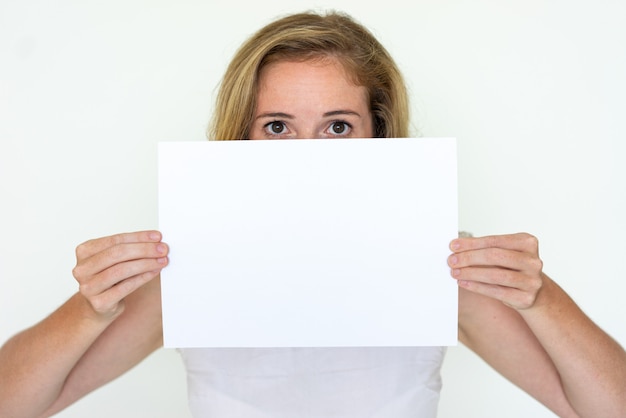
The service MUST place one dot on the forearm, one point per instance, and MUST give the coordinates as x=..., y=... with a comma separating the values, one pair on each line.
x=592, y=365
x=35, y=364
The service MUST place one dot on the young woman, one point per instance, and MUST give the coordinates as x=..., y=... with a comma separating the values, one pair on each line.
x=316, y=76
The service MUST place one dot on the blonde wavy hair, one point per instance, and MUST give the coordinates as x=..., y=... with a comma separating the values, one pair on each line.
x=304, y=36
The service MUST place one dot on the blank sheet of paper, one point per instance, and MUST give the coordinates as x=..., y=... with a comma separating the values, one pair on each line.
x=308, y=243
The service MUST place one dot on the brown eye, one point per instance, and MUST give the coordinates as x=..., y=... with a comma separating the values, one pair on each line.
x=338, y=128
x=277, y=127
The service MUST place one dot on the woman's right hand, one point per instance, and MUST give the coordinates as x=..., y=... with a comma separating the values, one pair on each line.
x=109, y=269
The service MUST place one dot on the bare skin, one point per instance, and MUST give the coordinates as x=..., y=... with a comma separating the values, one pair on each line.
x=319, y=103
x=525, y=326
x=510, y=313
x=98, y=334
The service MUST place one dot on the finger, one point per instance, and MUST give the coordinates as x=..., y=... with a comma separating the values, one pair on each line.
x=118, y=254
x=111, y=300
x=510, y=296
x=498, y=257
x=499, y=277
x=94, y=285
x=94, y=246
x=517, y=242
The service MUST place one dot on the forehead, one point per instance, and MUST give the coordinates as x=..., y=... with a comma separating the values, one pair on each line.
x=319, y=79
x=317, y=65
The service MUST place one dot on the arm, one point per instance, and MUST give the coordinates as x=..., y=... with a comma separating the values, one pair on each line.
x=98, y=334
x=530, y=330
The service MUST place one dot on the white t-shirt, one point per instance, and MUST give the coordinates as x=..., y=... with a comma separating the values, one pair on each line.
x=398, y=382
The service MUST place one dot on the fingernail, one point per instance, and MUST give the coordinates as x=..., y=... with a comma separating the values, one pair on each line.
x=455, y=245
x=454, y=260
x=162, y=260
x=155, y=236
x=161, y=248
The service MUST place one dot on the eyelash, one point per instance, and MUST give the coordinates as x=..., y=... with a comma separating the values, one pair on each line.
x=348, y=128
x=268, y=130
x=346, y=125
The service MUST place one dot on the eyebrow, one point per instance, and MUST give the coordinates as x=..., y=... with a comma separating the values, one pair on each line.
x=275, y=115
x=288, y=116
x=341, y=112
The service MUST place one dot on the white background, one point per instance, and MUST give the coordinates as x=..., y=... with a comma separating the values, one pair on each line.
x=533, y=90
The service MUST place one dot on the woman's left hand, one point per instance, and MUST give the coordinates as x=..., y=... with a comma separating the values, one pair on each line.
x=503, y=267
